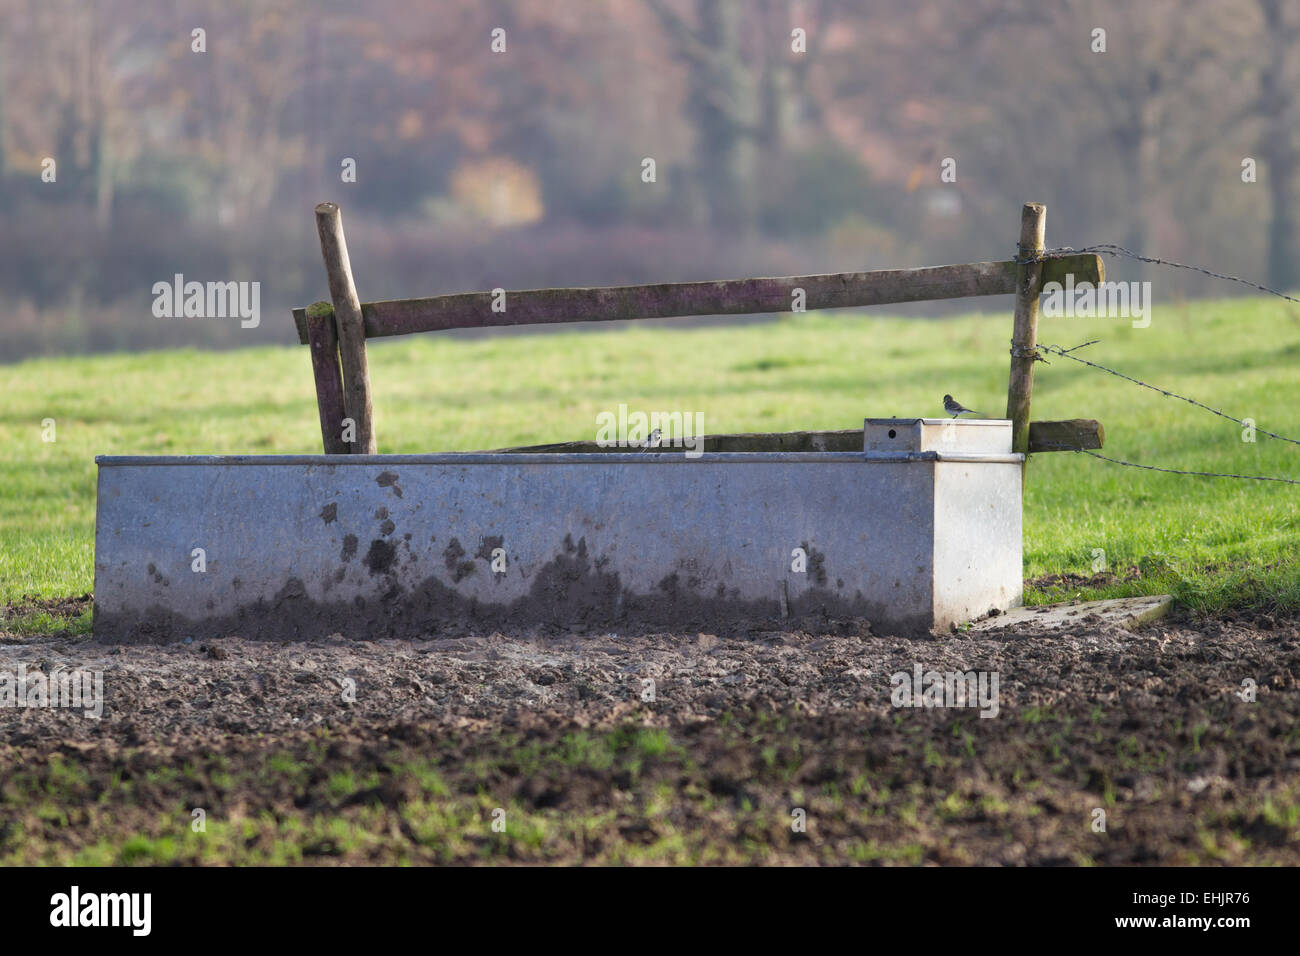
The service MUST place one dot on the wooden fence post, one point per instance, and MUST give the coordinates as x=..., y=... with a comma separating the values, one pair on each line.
x=350, y=327
x=1024, y=335
x=328, y=376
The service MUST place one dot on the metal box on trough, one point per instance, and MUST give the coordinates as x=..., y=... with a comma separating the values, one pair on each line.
x=919, y=530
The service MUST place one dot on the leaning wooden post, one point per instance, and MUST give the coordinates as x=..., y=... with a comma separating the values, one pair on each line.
x=350, y=326
x=1024, y=335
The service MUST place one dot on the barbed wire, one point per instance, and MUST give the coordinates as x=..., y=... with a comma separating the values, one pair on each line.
x=1065, y=353
x=1170, y=471
x=1113, y=249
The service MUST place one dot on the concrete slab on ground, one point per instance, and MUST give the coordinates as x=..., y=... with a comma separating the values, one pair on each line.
x=1130, y=613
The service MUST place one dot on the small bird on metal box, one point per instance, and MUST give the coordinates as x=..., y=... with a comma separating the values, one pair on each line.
x=652, y=441
x=955, y=408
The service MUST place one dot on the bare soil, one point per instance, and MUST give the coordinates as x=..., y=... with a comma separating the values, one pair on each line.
x=406, y=751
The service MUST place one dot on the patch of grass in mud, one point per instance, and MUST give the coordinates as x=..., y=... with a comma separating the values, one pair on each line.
x=1201, y=591
x=34, y=617
x=1218, y=591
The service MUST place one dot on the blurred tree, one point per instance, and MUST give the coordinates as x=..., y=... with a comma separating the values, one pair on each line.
x=68, y=72
x=722, y=106
x=1277, y=106
x=237, y=96
x=742, y=99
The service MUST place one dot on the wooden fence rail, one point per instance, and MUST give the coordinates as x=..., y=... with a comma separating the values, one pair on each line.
x=1043, y=436
x=845, y=290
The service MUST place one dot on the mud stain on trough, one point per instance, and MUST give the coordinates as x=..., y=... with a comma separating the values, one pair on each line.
x=381, y=556
x=388, y=479
x=330, y=512
x=816, y=564
x=573, y=593
x=293, y=590
x=452, y=557
x=349, y=547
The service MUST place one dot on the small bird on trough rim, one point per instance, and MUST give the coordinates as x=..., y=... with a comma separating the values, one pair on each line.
x=955, y=408
x=652, y=441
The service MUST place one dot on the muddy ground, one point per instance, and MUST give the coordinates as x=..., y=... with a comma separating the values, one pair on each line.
x=663, y=749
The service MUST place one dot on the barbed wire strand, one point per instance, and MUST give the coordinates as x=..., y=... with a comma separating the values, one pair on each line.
x=1174, y=471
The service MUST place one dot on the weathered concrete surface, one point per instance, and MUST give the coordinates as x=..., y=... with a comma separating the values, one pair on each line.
x=300, y=547
x=1129, y=613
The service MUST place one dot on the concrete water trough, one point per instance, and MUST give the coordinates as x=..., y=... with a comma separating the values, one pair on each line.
x=920, y=529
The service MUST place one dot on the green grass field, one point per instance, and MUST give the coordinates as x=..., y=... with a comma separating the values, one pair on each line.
x=1218, y=544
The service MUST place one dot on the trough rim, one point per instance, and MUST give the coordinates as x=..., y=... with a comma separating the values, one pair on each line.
x=546, y=458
